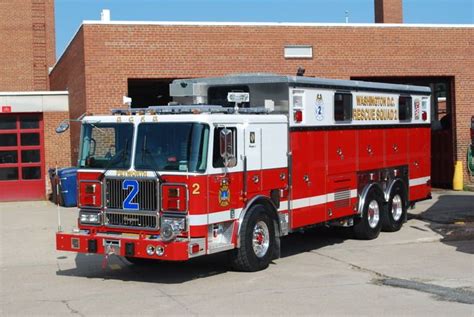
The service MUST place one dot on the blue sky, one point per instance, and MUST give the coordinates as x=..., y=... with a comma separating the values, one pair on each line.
x=70, y=13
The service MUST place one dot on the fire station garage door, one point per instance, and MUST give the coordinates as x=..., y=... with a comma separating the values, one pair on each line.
x=21, y=157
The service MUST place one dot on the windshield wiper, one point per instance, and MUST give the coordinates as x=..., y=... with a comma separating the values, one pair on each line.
x=123, y=155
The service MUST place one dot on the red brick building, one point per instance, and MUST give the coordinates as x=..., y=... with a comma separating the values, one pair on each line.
x=107, y=60
x=28, y=112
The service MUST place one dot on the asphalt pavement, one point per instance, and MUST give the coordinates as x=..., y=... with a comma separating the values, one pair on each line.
x=425, y=269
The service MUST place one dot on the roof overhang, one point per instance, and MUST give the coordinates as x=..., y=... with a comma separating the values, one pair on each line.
x=190, y=87
x=34, y=101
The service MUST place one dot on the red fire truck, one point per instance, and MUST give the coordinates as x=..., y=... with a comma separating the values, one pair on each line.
x=235, y=163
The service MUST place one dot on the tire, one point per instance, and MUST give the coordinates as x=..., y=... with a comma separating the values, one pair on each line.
x=396, y=212
x=369, y=226
x=257, y=241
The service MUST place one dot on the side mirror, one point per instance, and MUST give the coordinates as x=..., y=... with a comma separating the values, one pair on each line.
x=63, y=126
x=227, y=147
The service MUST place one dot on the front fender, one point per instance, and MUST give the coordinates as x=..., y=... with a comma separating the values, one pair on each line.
x=269, y=205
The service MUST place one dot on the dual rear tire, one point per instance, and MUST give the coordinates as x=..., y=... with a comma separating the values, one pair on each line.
x=396, y=213
x=378, y=216
x=369, y=225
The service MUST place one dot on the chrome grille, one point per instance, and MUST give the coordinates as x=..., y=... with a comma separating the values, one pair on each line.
x=147, y=197
x=131, y=220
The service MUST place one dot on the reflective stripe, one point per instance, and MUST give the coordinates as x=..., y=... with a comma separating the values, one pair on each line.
x=216, y=217
x=283, y=205
x=316, y=200
x=419, y=181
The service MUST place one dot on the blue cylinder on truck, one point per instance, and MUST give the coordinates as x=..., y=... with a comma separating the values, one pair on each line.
x=68, y=186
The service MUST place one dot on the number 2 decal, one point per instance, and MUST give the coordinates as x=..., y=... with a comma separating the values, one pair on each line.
x=127, y=203
x=196, y=188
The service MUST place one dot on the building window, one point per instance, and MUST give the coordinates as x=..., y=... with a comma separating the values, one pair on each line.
x=342, y=106
x=298, y=51
x=404, y=108
x=149, y=92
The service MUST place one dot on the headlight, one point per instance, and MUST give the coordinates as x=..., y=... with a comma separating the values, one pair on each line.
x=89, y=218
x=171, y=227
x=160, y=250
x=150, y=250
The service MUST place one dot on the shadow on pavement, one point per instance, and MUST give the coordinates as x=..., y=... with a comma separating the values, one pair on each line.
x=313, y=239
x=118, y=268
x=451, y=216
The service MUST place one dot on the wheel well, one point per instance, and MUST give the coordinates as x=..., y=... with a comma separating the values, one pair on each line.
x=368, y=188
x=268, y=205
x=390, y=187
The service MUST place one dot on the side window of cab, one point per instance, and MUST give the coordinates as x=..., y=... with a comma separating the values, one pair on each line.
x=224, y=150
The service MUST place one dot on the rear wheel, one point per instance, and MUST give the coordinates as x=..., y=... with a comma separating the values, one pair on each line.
x=368, y=227
x=396, y=209
x=257, y=241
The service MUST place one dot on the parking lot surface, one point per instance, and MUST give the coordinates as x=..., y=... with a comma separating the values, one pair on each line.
x=427, y=268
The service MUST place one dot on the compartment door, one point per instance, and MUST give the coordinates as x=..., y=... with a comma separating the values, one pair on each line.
x=341, y=151
x=396, y=147
x=253, y=152
x=370, y=149
x=341, y=195
x=420, y=162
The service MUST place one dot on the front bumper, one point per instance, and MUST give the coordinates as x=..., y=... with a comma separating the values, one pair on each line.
x=122, y=245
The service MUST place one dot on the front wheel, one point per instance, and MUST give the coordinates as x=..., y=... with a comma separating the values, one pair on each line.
x=368, y=227
x=257, y=241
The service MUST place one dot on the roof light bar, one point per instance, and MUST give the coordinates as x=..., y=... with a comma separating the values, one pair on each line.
x=183, y=109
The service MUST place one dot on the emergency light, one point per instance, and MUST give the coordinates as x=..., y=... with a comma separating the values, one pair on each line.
x=90, y=194
x=174, y=197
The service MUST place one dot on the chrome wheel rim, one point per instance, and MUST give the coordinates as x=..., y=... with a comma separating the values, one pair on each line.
x=373, y=214
x=397, y=207
x=260, y=239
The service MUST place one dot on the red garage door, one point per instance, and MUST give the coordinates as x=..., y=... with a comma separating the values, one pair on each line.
x=21, y=157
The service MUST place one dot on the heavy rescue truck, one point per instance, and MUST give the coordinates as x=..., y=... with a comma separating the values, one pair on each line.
x=237, y=162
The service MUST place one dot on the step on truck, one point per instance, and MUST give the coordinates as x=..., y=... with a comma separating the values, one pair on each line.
x=235, y=163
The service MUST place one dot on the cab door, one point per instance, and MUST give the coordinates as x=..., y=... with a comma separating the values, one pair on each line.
x=226, y=183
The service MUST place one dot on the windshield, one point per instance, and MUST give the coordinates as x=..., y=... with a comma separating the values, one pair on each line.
x=171, y=146
x=106, y=145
